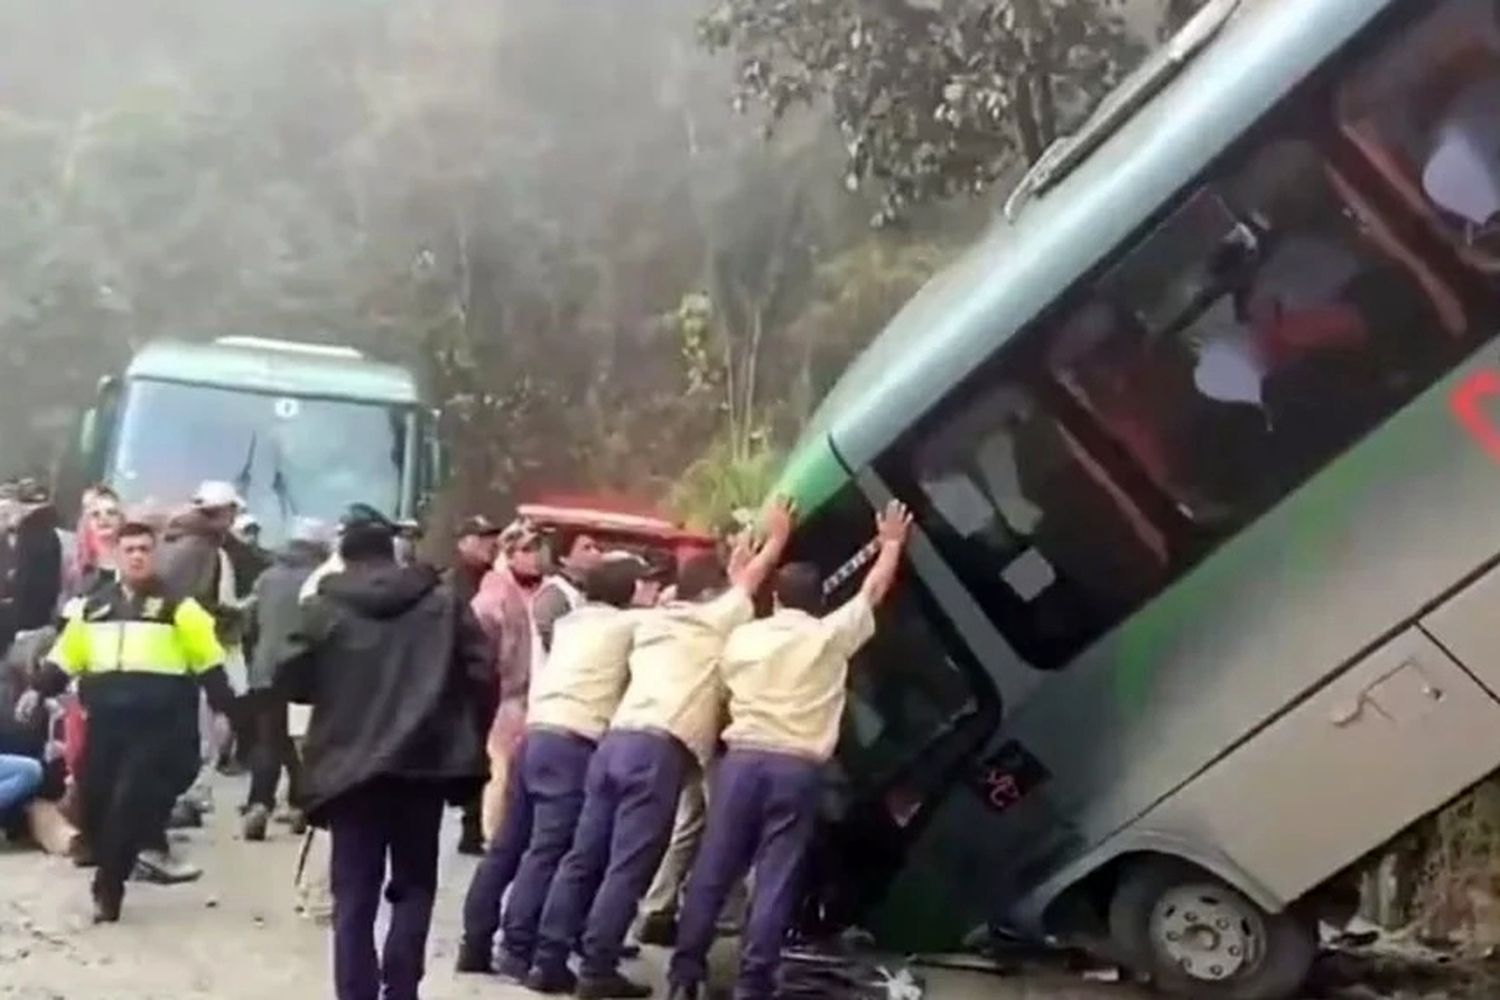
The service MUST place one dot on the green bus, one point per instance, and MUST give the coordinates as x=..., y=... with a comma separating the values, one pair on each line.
x=1203, y=443
x=302, y=430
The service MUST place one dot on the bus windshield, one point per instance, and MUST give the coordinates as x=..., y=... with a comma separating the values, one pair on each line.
x=288, y=456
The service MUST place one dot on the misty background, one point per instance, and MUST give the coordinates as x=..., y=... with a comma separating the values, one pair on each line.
x=613, y=277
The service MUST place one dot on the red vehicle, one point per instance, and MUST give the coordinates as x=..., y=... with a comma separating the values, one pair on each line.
x=618, y=524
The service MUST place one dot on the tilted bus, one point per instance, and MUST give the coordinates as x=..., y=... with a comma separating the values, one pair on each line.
x=1203, y=443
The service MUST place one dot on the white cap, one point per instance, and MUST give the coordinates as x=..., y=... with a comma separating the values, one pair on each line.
x=311, y=531
x=216, y=495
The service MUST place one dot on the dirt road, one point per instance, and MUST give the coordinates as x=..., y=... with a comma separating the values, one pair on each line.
x=234, y=935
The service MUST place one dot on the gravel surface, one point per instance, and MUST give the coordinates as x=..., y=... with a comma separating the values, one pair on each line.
x=235, y=936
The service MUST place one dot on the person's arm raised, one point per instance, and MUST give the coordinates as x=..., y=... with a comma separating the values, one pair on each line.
x=892, y=529
x=753, y=573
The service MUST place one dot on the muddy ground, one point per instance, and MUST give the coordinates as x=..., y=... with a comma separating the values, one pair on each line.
x=235, y=936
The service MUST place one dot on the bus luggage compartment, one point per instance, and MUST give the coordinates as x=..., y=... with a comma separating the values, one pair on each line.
x=1386, y=742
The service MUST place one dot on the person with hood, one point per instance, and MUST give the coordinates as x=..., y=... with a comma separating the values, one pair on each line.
x=503, y=609
x=402, y=690
x=278, y=616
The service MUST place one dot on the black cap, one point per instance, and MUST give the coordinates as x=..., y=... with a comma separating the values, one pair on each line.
x=478, y=526
x=364, y=517
x=29, y=491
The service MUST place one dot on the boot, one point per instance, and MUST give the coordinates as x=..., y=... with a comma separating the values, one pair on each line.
x=257, y=818
x=107, y=903
x=611, y=987
x=473, y=958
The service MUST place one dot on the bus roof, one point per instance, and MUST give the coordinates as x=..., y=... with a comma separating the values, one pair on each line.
x=1016, y=270
x=278, y=367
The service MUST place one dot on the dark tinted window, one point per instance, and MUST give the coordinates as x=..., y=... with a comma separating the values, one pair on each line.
x=1273, y=317
x=1425, y=112
x=910, y=692
x=289, y=456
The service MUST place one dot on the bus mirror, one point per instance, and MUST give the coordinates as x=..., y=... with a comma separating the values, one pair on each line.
x=88, y=433
x=437, y=453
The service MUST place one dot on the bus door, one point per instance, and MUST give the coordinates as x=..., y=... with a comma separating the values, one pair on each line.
x=919, y=710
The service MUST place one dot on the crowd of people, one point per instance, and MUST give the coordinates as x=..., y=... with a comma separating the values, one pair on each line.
x=630, y=743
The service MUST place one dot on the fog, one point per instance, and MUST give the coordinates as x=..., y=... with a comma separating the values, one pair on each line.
x=522, y=198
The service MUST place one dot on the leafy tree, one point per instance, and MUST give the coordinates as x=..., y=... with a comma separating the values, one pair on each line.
x=935, y=98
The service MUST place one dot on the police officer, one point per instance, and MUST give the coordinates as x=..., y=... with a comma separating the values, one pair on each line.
x=140, y=654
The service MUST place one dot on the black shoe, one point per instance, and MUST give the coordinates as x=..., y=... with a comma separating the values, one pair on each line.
x=298, y=823
x=551, y=982
x=511, y=969
x=257, y=818
x=658, y=930
x=611, y=987
x=474, y=959
x=107, y=903
x=679, y=992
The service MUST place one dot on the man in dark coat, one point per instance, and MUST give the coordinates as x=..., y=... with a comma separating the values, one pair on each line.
x=33, y=561
x=401, y=688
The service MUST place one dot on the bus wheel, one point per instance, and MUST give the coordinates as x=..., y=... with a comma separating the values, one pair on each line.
x=1194, y=936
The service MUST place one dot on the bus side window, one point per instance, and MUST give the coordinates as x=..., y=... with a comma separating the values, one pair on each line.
x=1425, y=112
x=1269, y=322
x=1052, y=547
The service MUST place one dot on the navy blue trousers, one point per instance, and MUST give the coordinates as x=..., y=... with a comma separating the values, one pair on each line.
x=763, y=814
x=633, y=785
x=392, y=822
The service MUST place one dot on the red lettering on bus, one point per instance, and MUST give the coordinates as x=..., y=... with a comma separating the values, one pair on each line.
x=1467, y=403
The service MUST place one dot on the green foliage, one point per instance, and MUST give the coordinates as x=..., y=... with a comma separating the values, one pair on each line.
x=933, y=98
x=725, y=479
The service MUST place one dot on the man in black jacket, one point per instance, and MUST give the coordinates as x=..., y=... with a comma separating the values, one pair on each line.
x=401, y=688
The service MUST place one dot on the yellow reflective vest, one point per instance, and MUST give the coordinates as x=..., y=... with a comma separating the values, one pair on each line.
x=116, y=634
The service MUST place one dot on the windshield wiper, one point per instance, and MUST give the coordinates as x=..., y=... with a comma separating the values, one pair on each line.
x=242, y=480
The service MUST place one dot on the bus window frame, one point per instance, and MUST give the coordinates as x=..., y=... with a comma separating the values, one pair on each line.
x=1022, y=359
x=1363, y=59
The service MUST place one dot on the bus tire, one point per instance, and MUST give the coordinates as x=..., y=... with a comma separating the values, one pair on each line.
x=1193, y=936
